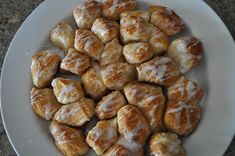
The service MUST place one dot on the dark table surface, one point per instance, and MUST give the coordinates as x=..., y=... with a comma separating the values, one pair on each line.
x=14, y=12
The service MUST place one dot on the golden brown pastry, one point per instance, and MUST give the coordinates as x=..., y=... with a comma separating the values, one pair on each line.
x=136, y=53
x=62, y=36
x=185, y=90
x=69, y=141
x=181, y=118
x=43, y=68
x=92, y=82
x=124, y=148
x=110, y=105
x=160, y=70
x=87, y=42
x=143, y=14
x=105, y=29
x=150, y=100
x=67, y=90
x=75, y=62
x=166, y=144
x=134, y=29
x=166, y=19
x=187, y=51
x=44, y=103
x=77, y=113
x=86, y=13
x=132, y=124
x=102, y=136
x=115, y=76
x=112, y=53
x=158, y=40
x=113, y=8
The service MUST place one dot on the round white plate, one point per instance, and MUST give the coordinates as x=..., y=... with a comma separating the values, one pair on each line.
x=216, y=74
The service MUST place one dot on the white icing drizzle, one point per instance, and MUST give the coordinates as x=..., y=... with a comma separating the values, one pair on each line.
x=191, y=89
x=65, y=90
x=48, y=111
x=64, y=114
x=129, y=135
x=177, y=111
x=152, y=113
x=105, y=134
x=158, y=69
x=173, y=145
x=130, y=145
x=111, y=100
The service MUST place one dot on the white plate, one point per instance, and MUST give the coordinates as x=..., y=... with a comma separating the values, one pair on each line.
x=216, y=74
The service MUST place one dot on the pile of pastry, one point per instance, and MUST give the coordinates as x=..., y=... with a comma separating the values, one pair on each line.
x=131, y=96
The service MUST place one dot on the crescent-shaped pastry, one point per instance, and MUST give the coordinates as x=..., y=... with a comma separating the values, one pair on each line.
x=44, y=103
x=132, y=124
x=69, y=141
x=75, y=62
x=143, y=14
x=134, y=29
x=160, y=70
x=112, y=53
x=136, y=53
x=76, y=114
x=62, y=36
x=113, y=8
x=185, y=90
x=102, y=136
x=158, y=40
x=115, y=76
x=105, y=29
x=187, y=51
x=166, y=144
x=150, y=100
x=166, y=19
x=181, y=118
x=92, y=82
x=87, y=42
x=86, y=13
x=110, y=105
x=67, y=90
x=124, y=147
x=44, y=67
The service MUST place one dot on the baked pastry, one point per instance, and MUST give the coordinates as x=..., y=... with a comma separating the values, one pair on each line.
x=181, y=118
x=44, y=103
x=112, y=53
x=132, y=124
x=166, y=144
x=62, y=36
x=136, y=53
x=86, y=13
x=185, y=90
x=105, y=29
x=92, y=82
x=158, y=40
x=69, y=141
x=115, y=76
x=110, y=105
x=134, y=29
x=187, y=51
x=102, y=136
x=143, y=14
x=43, y=68
x=166, y=19
x=75, y=62
x=77, y=113
x=113, y=8
x=124, y=147
x=160, y=70
x=67, y=90
x=87, y=42
x=150, y=100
